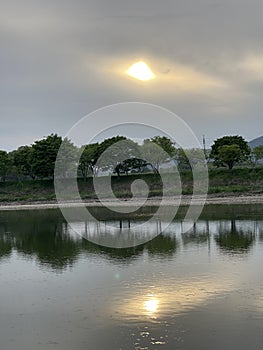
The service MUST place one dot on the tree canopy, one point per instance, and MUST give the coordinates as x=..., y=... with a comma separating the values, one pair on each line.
x=23, y=161
x=115, y=150
x=158, y=150
x=257, y=153
x=229, y=150
x=88, y=158
x=117, y=154
x=4, y=164
x=44, y=155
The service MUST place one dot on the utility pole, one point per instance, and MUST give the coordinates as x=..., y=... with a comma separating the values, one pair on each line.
x=204, y=145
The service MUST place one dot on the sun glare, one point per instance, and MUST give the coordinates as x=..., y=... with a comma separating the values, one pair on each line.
x=140, y=71
x=151, y=306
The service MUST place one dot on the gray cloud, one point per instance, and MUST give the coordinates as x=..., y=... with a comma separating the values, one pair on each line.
x=61, y=59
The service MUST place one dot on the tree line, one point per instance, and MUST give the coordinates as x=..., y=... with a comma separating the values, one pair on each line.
x=119, y=155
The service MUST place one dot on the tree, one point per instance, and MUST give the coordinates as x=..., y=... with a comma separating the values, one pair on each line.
x=165, y=143
x=88, y=158
x=44, y=155
x=191, y=158
x=241, y=151
x=4, y=164
x=157, y=150
x=131, y=165
x=115, y=150
x=229, y=155
x=257, y=153
x=22, y=159
x=103, y=146
x=67, y=160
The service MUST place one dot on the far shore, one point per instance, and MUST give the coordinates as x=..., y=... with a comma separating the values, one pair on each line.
x=154, y=201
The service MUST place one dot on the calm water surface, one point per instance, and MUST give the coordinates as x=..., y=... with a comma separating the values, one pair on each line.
x=200, y=290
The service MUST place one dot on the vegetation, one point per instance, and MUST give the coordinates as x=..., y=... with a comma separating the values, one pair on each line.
x=22, y=160
x=257, y=154
x=230, y=150
x=4, y=164
x=27, y=173
x=221, y=181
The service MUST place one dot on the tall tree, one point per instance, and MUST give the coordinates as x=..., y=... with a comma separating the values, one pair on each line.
x=88, y=158
x=165, y=143
x=241, y=151
x=4, y=164
x=257, y=154
x=191, y=158
x=158, y=150
x=115, y=150
x=22, y=160
x=229, y=155
x=44, y=155
x=67, y=160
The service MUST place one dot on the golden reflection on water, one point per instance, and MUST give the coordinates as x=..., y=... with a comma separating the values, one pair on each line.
x=151, y=305
x=167, y=300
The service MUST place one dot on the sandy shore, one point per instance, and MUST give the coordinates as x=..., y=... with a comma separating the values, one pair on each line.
x=185, y=200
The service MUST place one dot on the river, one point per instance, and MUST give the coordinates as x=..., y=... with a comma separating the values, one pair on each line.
x=197, y=290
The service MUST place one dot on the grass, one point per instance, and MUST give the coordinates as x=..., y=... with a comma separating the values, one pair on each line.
x=221, y=181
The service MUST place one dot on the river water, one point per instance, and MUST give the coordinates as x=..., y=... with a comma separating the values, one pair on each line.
x=197, y=290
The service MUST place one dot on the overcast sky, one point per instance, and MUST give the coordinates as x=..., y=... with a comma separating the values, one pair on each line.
x=60, y=60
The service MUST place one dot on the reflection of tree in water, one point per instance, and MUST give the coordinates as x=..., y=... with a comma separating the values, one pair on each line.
x=5, y=246
x=5, y=239
x=123, y=255
x=50, y=245
x=40, y=234
x=162, y=245
x=43, y=234
x=235, y=241
x=196, y=236
x=259, y=229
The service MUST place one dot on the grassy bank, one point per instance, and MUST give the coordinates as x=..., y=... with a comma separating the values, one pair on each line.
x=221, y=181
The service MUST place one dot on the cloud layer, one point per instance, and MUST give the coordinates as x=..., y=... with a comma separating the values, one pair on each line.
x=61, y=60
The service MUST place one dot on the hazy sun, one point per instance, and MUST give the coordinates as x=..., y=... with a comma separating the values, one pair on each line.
x=141, y=71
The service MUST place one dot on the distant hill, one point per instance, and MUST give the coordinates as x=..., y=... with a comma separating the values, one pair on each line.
x=256, y=142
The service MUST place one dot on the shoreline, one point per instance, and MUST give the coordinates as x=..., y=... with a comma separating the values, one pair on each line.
x=154, y=201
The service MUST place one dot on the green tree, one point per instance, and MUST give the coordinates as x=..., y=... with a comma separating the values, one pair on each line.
x=103, y=146
x=131, y=164
x=182, y=160
x=165, y=143
x=158, y=150
x=229, y=155
x=241, y=151
x=191, y=158
x=5, y=164
x=88, y=158
x=67, y=160
x=22, y=160
x=44, y=155
x=115, y=150
x=257, y=154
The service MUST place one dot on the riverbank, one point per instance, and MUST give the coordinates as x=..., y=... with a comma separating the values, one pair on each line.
x=184, y=201
x=240, y=185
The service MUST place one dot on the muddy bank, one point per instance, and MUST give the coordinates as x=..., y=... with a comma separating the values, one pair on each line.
x=185, y=200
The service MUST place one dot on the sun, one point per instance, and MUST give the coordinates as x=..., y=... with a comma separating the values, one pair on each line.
x=141, y=71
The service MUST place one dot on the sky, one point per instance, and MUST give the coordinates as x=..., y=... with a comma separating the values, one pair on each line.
x=60, y=60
